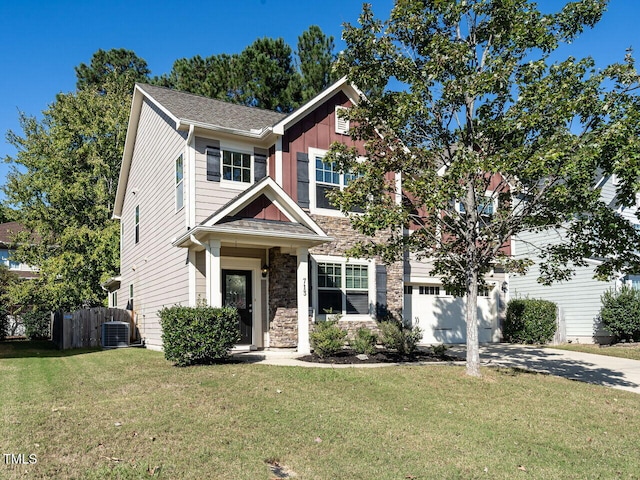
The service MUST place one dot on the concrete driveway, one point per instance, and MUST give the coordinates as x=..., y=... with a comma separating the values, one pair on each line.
x=585, y=367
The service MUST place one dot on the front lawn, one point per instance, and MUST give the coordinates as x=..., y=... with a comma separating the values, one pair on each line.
x=129, y=414
x=629, y=352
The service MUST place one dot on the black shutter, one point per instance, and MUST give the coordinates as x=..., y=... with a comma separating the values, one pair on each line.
x=213, y=161
x=381, y=290
x=303, y=179
x=260, y=163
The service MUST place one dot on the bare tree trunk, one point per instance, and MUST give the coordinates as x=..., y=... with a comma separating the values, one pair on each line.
x=471, y=317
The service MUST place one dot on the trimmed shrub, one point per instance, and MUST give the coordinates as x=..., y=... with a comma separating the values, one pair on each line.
x=37, y=325
x=364, y=341
x=530, y=321
x=620, y=314
x=198, y=335
x=327, y=338
x=397, y=336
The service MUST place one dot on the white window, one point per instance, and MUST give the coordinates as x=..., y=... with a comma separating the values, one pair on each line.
x=236, y=166
x=486, y=207
x=342, y=124
x=114, y=299
x=343, y=287
x=136, y=222
x=326, y=178
x=5, y=259
x=179, y=183
x=429, y=290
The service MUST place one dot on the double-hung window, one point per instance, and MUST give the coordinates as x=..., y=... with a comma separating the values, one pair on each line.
x=327, y=179
x=485, y=207
x=179, y=183
x=343, y=288
x=136, y=223
x=236, y=166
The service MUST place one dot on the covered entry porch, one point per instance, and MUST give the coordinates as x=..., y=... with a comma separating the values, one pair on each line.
x=253, y=255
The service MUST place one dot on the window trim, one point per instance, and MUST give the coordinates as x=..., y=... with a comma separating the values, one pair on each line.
x=493, y=201
x=314, y=153
x=343, y=262
x=241, y=149
x=179, y=183
x=136, y=223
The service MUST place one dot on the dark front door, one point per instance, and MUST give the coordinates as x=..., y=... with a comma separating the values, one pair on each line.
x=237, y=293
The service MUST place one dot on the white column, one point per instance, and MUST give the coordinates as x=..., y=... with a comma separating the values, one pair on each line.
x=214, y=276
x=303, y=301
x=193, y=298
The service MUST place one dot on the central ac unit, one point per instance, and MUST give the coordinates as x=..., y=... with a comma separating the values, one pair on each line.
x=115, y=334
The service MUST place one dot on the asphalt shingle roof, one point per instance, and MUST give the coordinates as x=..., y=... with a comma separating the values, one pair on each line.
x=209, y=111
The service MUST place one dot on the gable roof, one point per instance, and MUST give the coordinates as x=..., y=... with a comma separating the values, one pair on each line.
x=299, y=229
x=8, y=231
x=189, y=109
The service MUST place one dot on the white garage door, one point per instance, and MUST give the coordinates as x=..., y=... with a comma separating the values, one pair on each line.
x=441, y=316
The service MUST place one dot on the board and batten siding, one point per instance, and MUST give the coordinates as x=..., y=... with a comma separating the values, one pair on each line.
x=578, y=299
x=151, y=185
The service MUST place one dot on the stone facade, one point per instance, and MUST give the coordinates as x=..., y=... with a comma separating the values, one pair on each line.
x=283, y=310
x=283, y=320
x=345, y=238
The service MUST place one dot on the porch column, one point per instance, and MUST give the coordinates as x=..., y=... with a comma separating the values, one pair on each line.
x=303, y=301
x=193, y=298
x=214, y=290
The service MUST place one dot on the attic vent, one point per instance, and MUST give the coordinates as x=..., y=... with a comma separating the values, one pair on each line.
x=115, y=334
x=342, y=124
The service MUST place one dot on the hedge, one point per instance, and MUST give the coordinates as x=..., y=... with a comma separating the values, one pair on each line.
x=197, y=335
x=530, y=320
x=620, y=314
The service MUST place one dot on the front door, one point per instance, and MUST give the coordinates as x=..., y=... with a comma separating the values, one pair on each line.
x=237, y=293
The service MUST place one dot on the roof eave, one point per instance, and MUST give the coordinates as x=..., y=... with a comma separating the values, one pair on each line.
x=184, y=124
x=196, y=234
x=352, y=92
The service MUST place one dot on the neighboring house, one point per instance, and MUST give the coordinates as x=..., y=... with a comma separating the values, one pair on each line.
x=227, y=205
x=8, y=231
x=579, y=299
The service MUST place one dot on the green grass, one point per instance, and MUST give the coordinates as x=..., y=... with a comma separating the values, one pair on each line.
x=632, y=353
x=129, y=414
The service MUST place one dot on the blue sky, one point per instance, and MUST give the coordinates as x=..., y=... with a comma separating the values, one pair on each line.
x=41, y=41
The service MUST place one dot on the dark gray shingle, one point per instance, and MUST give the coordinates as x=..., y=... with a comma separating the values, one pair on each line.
x=195, y=108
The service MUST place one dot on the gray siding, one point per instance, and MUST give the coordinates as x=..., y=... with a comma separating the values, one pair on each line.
x=158, y=271
x=211, y=196
x=578, y=299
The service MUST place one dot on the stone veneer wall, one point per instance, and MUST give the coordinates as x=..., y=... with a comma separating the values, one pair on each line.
x=344, y=238
x=283, y=310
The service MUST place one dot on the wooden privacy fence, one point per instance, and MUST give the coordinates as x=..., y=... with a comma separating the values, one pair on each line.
x=83, y=328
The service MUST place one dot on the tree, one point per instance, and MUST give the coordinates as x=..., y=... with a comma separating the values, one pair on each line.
x=263, y=75
x=315, y=57
x=120, y=63
x=491, y=138
x=63, y=183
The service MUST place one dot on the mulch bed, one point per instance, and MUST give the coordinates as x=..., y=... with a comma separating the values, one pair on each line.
x=349, y=357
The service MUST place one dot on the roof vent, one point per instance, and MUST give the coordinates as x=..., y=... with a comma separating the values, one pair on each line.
x=115, y=334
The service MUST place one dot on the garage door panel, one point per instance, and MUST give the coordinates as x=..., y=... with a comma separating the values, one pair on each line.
x=441, y=317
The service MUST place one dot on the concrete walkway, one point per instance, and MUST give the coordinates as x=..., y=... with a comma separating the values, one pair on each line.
x=585, y=367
